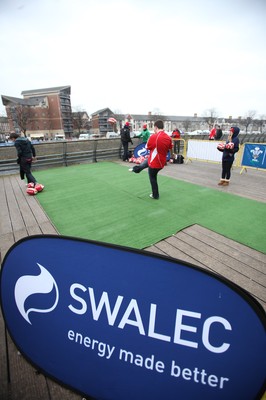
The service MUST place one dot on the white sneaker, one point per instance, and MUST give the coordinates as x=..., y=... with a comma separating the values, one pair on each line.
x=155, y=198
x=130, y=169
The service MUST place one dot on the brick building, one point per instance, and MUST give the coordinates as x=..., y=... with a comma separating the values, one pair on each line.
x=41, y=113
x=4, y=128
x=99, y=122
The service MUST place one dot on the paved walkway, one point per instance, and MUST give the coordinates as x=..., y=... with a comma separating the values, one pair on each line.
x=21, y=215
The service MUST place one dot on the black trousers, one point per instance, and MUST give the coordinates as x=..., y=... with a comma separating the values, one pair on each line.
x=153, y=172
x=176, y=146
x=140, y=167
x=125, y=151
x=226, y=168
x=25, y=169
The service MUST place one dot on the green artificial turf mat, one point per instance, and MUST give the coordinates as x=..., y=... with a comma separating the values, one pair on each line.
x=105, y=202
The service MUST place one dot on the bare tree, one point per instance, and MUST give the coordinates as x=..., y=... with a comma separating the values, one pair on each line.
x=21, y=116
x=79, y=122
x=117, y=111
x=248, y=118
x=210, y=116
x=260, y=122
x=156, y=114
x=187, y=125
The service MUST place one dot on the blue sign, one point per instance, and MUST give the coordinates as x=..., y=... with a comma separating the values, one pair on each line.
x=254, y=155
x=141, y=151
x=117, y=323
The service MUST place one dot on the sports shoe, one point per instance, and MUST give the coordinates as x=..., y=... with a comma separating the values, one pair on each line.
x=130, y=169
x=155, y=198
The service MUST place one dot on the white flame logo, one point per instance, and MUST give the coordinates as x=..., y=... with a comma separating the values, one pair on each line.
x=28, y=285
x=142, y=152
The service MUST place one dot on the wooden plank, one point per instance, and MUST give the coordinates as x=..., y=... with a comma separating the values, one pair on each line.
x=193, y=252
x=48, y=228
x=4, y=372
x=57, y=391
x=248, y=252
x=216, y=263
x=33, y=204
x=155, y=249
x=169, y=250
x=5, y=223
x=20, y=234
x=17, y=221
x=226, y=256
x=6, y=241
x=26, y=212
x=34, y=230
x=25, y=382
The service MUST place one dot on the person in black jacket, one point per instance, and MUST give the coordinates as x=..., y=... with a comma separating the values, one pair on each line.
x=26, y=154
x=125, y=139
x=219, y=133
x=229, y=149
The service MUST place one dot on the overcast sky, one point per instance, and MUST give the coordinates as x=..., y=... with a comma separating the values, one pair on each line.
x=178, y=57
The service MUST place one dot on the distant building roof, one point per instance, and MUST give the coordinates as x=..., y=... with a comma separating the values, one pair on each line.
x=57, y=89
x=83, y=114
x=102, y=110
x=152, y=117
x=33, y=101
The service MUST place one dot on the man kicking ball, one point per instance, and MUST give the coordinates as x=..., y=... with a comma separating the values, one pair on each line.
x=158, y=144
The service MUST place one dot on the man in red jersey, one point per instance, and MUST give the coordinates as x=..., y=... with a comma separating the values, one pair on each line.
x=158, y=144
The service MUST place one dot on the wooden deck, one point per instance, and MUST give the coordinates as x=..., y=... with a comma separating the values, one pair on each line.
x=21, y=215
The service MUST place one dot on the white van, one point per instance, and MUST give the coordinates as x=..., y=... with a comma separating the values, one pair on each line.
x=60, y=137
x=84, y=136
x=110, y=135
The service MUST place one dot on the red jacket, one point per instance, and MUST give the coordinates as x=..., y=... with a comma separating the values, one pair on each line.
x=176, y=134
x=212, y=133
x=159, y=144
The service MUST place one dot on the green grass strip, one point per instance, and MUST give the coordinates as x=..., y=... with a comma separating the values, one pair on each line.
x=105, y=202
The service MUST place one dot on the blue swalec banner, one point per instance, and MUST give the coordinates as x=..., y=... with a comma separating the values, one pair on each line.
x=141, y=151
x=116, y=323
x=254, y=155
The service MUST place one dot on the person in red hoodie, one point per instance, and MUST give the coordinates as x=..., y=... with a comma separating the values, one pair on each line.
x=158, y=144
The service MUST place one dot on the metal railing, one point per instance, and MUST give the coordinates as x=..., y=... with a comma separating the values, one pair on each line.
x=67, y=152
x=63, y=153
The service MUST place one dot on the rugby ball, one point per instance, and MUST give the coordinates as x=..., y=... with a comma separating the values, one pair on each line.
x=32, y=191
